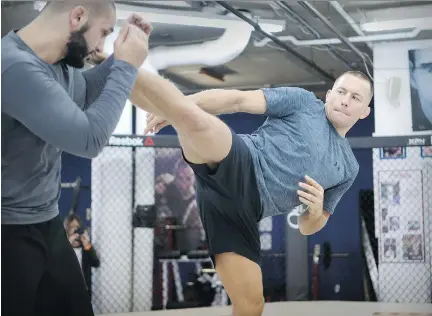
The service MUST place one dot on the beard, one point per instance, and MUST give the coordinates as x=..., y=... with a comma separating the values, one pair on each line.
x=77, y=49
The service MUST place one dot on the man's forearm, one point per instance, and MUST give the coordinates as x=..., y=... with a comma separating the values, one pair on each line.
x=217, y=101
x=309, y=224
x=96, y=78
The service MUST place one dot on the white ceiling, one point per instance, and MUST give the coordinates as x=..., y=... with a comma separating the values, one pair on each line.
x=270, y=64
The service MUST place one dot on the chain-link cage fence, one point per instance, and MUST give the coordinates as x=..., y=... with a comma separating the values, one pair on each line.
x=151, y=244
x=397, y=225
x=149, y=237
x=146, y=227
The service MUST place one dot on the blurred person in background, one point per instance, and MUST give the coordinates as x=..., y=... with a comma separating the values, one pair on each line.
x=80, y=241
x=175, y=197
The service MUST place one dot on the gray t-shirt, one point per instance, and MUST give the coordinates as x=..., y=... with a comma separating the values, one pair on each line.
x=297, y=140
x=47, y=109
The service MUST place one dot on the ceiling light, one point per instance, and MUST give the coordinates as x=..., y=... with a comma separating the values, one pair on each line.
x=393, y=25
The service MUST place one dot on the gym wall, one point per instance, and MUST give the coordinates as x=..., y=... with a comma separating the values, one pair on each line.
x=393, y=106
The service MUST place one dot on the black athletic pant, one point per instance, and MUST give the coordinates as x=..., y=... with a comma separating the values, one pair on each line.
x=41, y=275
x=229, y=203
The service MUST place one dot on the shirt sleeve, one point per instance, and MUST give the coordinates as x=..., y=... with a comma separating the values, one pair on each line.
x=284, y=101
x=333, y=195
x=41, y=104
x=95, y=79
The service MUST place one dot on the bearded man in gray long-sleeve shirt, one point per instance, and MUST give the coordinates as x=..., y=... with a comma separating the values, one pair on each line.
x=49, y=105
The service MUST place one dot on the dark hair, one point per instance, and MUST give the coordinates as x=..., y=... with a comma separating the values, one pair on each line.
x=360, y=75
x=181, y=163
x=73, y=217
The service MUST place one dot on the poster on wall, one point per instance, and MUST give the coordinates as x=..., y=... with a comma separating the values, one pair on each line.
x=420, y=66
x=392, y=153
x=179, y=224
x=426, y=151
x=401, y=209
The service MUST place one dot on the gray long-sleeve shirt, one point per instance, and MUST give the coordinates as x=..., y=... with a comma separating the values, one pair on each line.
x=47, y=109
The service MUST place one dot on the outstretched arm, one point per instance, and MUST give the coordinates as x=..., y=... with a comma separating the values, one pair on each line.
x=220, y=101
x=215, y=101
x=275, y=102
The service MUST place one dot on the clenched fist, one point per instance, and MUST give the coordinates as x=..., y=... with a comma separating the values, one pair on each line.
x=132, y=44
x=312, y=196
x=141, y=22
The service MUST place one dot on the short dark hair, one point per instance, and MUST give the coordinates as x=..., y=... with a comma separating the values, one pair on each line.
x=96, y=7
x=180, y=164
x=358, y=74
x=73, y=217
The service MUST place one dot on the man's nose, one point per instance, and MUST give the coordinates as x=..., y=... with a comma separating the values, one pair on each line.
x=100, y=47
x=345, y=101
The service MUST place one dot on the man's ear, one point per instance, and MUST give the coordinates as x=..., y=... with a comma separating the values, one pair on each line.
x=327, y=94
x=365, y=113
x=78, y=17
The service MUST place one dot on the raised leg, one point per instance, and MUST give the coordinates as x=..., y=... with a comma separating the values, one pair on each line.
x=204, y=138
x=231, y=209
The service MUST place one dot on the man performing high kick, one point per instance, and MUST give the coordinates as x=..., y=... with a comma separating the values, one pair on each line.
x=300, y=155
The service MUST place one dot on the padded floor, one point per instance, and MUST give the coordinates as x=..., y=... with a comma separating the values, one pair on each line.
x=321, y=308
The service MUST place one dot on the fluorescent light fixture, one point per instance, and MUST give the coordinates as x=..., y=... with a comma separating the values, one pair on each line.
x=195, y=19
x=176, y=3
x=271, y=28
x=39, y=5
x=393, y=25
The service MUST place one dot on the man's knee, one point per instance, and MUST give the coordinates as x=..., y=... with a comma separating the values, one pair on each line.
x=252, y=304
x=205, y=138
x=242, y=279
x=194, y=120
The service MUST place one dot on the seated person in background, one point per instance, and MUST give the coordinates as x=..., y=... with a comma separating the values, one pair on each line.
x=175, y=195
x=84, y=250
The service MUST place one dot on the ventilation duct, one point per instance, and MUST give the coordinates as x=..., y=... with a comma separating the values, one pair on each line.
x=212, y=53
